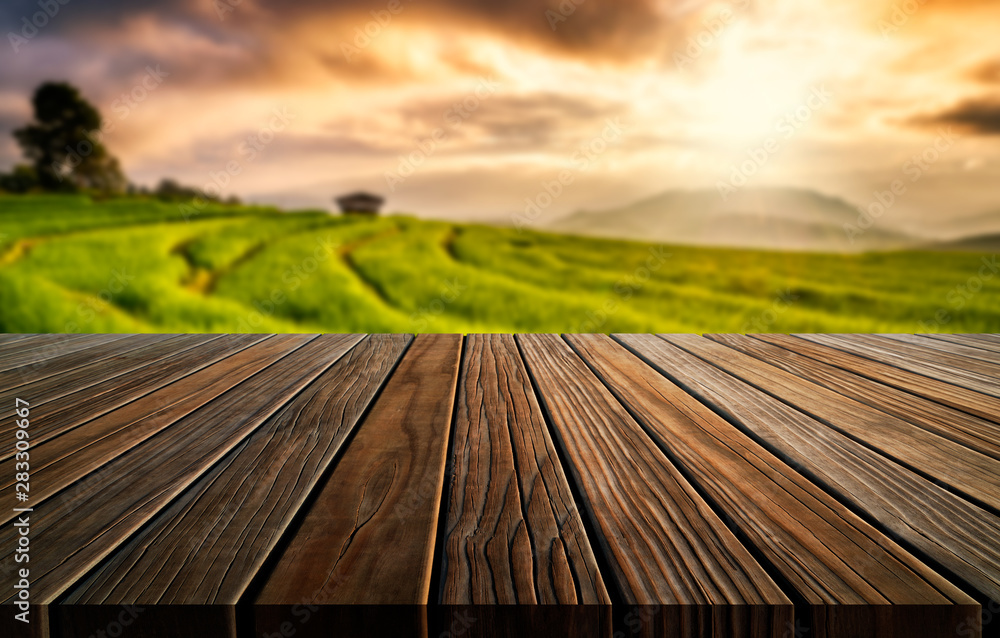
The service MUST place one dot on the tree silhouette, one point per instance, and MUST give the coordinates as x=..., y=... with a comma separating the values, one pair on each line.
x=64, y=145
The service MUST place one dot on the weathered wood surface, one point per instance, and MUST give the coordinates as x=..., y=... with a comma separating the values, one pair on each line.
x=951, y=347
x=89, y=448
x=974, y=341
x=75, y=536
x=369, y=537
x=969, y=430
x=909, y=507
x=184, y=555
x=513, y=532
x=665, y=544
x=953, y=464
x=829, y=555
x=981, y=405
x=33, y=360
x=961, y=357
x=350, y=485
x=954, y=370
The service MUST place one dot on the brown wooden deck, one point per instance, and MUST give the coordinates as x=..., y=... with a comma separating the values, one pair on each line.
x=636, y=485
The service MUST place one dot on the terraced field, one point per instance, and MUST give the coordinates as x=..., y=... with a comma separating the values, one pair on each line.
x=68, y=264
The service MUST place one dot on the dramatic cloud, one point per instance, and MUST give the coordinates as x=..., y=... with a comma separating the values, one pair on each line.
x=373, y=87
x=976, y=117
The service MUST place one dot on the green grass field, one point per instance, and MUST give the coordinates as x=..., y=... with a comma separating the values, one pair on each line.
x=68, y=264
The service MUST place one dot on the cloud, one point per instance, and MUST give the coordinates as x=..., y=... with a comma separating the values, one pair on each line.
x=979, y=116
x=988, y=72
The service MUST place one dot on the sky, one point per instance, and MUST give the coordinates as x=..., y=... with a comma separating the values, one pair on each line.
x=471, y=109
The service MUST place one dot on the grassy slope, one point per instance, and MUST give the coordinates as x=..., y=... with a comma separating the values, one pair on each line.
x=70, y=265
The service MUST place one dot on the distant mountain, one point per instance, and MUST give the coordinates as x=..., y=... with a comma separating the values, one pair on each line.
x=773, y=218
x=970, y=227
x=976, y=244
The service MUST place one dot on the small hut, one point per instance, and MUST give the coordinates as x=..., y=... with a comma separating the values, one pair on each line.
x=360, y=203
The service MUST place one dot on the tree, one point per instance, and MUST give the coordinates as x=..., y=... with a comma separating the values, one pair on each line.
x=64, y=145
x=20, y=180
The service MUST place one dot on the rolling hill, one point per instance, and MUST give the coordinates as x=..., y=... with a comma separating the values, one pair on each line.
x=68, y=264
x=770, y=218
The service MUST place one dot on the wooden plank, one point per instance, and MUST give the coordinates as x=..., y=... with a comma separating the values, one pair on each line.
x=205, y=548
x=158, y=367
x=514, y=534
x=125, y=355
x=949, y=529
x=665, y=545
x=82, y=382
x=953, y=344
x=58, y=355
x=39, y=343
x=973, y=341
x=966, y=429
x=830, y=556
x=60, y=462
x=970, y=401
x=961, y=355
x=67, y=542
x=963, y=469
x=369, y=536
x=13, y=343
x=858, y=345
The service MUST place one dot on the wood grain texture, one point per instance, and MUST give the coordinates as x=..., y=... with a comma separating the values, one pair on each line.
x=963, y=469
x=207, y=545
x=973, y=341
x=38, y=354
x=942, y=525
x=57, y=464
x=124, y=356
x=369, y=536
x=514, y=534
x=81, y=390
x=665, y=545
x=942, y=367
x=829, y=555
x=68, y=540
x=15, y=343
x=953, y=354
x=37, y=366
x=971, y=431
x=970, y=401
x=949, y=347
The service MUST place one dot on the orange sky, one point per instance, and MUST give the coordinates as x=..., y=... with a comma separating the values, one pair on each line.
x=487, y=101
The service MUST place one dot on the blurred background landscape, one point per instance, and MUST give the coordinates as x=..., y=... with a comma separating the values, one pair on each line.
x=524, y=165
